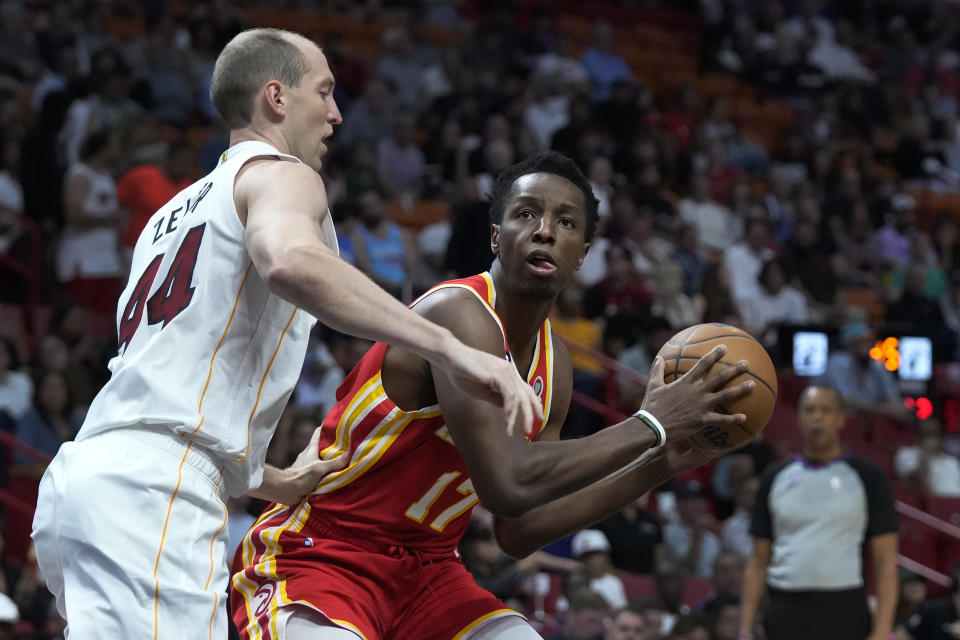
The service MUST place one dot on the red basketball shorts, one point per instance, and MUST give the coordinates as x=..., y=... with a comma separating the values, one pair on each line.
x=388, y=593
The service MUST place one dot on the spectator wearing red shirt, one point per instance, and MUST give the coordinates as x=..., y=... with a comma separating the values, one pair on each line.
x=145, y=188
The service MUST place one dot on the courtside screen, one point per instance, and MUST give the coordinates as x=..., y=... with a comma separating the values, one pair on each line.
x=810, y=352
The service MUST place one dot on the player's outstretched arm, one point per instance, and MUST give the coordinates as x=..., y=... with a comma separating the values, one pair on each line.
x=282, y=205
x=513, y=476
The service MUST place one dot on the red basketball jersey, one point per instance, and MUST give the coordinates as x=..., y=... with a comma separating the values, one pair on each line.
x=406, y=483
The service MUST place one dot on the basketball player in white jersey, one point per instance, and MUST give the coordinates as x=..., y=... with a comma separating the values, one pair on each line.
x=226, y=282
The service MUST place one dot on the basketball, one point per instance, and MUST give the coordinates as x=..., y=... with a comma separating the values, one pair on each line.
x=683, y=350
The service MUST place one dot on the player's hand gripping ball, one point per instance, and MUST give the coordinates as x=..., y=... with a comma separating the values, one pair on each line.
x=683, y=350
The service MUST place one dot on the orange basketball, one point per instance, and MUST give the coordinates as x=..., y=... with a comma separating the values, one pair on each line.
x=683, y=350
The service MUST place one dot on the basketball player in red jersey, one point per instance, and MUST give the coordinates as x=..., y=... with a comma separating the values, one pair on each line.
x=371, y=552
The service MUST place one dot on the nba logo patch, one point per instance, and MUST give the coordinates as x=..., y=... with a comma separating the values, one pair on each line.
x=538, y=387
x=308, y=542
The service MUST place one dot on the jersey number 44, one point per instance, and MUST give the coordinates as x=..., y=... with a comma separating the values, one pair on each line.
x=171, y=297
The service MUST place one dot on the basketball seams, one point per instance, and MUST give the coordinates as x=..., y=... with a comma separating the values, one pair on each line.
x=677, y=373
x=689, y=337
x=679, y=356
x=719, y=336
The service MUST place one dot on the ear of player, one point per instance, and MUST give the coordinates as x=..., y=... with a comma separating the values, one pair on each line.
x=714, y=384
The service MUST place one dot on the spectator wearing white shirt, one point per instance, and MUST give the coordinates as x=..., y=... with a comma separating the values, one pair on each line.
x=690, y=539
x=716, y=224
x=837, y=59
x=16, y=388
x=735, y=532
x=925, y=466
x=11, y=202
x=547, y=111
x=592, y=548
x=775, y=303
x=9, y=616
x=399, y=66
x=745, y=259
x=561, y=65
x=601, y=181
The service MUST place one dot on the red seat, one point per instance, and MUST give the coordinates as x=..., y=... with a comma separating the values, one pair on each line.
x=854, y=429
x=891, y=434
x=696, y=590
x=783, y=432
x=947, y=509
x=17, y=525
x=907, y=495
x=556, y=590
x=878, y=455
x=790, y=386
x=919, y=542
x=636, y=584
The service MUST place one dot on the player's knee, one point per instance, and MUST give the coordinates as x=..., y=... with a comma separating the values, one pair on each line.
x=509, y=628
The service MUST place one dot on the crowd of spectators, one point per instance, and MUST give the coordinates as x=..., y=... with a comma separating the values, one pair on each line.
x=828, y=224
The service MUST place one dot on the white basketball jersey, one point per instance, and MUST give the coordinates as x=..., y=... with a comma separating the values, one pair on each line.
x=205, y=347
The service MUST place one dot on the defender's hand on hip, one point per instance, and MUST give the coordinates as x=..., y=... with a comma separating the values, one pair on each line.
x=308, y=470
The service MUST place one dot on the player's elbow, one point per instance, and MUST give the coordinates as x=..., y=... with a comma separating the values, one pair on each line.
x=505, y=501
x=281, y=270
x=278, y=274
x=510, y=542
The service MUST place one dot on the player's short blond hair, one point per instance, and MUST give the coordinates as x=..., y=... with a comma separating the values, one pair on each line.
x=250, y=60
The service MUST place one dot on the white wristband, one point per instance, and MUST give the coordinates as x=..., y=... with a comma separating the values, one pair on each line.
x=648, y=418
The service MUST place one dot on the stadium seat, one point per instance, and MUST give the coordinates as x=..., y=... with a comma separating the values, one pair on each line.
x=790, y=386
x=908, y=495
x=783, y=432
x=947, y=509
x=696, y=590
x=16, y=530
x=918, y=542
x=890, y=434
x=879, y=455
x=636, y=584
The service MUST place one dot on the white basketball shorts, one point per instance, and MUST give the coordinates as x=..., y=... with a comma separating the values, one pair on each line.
x=130, y=536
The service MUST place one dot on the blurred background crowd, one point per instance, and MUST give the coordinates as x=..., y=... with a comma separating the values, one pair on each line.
x=788, y=166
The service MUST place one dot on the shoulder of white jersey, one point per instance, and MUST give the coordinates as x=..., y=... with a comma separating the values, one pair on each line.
x=243, y=152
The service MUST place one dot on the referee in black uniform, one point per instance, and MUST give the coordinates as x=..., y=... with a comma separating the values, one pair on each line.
x=813, y=516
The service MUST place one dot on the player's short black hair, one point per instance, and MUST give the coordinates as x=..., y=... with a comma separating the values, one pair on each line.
x=547, y=162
